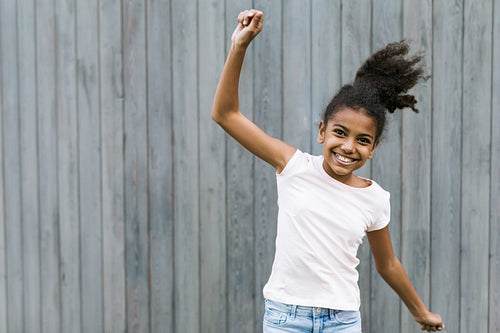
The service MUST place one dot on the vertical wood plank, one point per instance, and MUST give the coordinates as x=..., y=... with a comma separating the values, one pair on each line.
x=268, y=87
x=326, y=40
x=67, y=153
x=186, y=168
x=89, y=143
x=386, y=170
x=211, y=55
x=356, y=41
x=11, y=165
x=240, y=199
x=161, y=198
x=297, y=74
x=29, y=165
x=476, y=165
x=3, y=239
x=446, y=128
x=112, y=165
x=136, y=166
x=494, y=264
x=48, y=167
x=416, y=165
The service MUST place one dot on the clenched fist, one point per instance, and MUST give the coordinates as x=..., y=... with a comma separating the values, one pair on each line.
x=250, y=23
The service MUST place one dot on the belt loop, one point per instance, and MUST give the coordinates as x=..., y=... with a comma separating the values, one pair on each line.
x=332, y=314
x=293, y=311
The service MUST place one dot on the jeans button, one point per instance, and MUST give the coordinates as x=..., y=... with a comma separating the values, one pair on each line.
x=318, y=310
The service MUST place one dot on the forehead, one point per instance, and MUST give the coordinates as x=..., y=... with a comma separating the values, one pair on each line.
x=354, y=120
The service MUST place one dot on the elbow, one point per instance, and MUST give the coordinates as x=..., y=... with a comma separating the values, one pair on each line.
x=388, y=266
x=216, y=117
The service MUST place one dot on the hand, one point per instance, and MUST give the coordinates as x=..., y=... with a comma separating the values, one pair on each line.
x=249, y=26
x=430, y=322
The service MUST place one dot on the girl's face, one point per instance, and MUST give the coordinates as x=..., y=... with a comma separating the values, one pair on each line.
x=348, y=141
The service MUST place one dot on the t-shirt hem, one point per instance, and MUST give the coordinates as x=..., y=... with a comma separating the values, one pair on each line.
x=313, y=303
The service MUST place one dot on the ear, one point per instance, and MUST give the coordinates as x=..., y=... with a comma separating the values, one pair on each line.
x=373, y=149
x=321, y=133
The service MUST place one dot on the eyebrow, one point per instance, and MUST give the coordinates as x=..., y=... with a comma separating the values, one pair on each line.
x=346, y=129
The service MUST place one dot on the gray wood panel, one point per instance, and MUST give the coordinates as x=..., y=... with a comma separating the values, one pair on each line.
x=386, y=171
x=476, y=140
x=112, y=166
x=159, y=71
x=3, y=255
x=136, y=166
x=11, y=170
x=89, y=142
x=67, y=165
x=186, y=165
x=416, y=165
x=494, y=263
x=29, y=165
x=446, y=155
x=47, y=164
x=296, y=52
x=212, y=152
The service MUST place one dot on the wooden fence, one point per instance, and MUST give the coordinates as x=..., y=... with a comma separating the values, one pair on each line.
x=124, y=208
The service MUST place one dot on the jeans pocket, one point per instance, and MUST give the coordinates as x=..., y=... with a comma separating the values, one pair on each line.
x=275, y=316
x=348, y=317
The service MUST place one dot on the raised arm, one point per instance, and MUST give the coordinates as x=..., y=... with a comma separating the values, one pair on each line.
x=226, y=110
x=391, y=270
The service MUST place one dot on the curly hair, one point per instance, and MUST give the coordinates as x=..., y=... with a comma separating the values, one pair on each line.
x=380, y=85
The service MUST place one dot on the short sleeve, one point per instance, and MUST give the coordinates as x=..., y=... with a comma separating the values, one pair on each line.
x=383, y=218
x=298, y=161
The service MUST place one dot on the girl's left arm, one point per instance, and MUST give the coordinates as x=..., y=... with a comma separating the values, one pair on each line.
x=391, y=270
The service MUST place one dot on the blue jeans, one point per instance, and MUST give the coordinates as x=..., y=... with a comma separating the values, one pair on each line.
x=281, y=317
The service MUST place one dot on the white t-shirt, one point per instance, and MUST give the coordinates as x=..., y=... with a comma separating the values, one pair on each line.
x=321, y=223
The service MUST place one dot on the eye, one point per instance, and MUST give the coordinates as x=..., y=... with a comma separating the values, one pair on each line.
x=364, y=141
x=339, y=132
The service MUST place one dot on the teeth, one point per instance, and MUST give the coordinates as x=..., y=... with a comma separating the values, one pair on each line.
x=343, y=158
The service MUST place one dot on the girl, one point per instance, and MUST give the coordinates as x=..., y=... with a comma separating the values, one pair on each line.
x=324, y=209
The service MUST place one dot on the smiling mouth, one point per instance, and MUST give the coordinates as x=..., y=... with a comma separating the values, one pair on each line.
x=343, y=159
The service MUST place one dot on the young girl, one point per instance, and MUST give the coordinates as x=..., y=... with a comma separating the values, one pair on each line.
x=324, y=209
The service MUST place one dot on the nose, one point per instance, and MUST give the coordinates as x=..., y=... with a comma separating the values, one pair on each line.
x=348, y=146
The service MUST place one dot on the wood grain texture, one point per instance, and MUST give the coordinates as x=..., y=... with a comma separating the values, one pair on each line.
x=11, y=170
x=212, y=153
x=29, y=165
x=446, y=154
x=268, y=108
x=476, y=163
x=161, y=199
x=89, y=144
x=136, y=166
x=296, y=52
x=494, y=263
x=416, y=165
x=47, y=159
x=240, y=198
x=67, y=169
x=386, y=171
x=186, y=165
x=112, y=165
x=3, y=250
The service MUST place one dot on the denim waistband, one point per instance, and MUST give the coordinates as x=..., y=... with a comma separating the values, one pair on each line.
x=299, y=310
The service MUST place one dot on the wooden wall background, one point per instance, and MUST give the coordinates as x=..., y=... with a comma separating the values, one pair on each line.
x=124, y=208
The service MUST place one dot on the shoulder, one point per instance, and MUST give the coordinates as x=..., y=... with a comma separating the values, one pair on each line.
x=298, y=162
